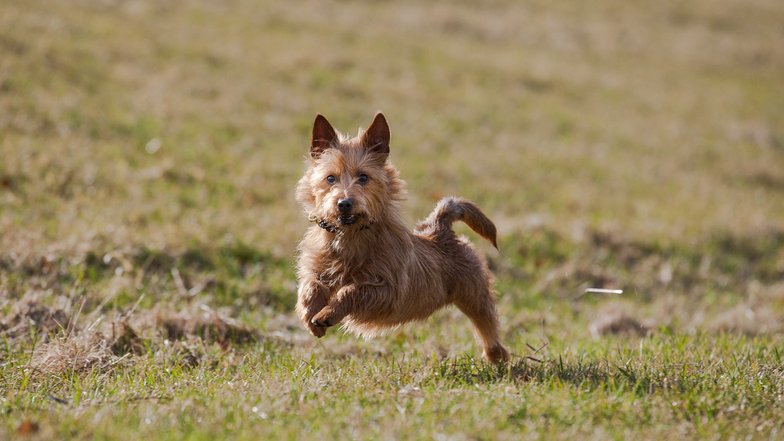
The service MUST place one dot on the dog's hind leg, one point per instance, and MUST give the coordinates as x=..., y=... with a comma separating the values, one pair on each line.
x=480, y=308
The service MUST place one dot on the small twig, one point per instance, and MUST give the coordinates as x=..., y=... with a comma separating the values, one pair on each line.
x=179, y=283
x=133, y=308
x=536, y=351
x=57, y=400
x=598, y=291
x=71, y=327
x=603, y=291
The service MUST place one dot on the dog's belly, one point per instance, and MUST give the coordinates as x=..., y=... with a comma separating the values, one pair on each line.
x=416, y=303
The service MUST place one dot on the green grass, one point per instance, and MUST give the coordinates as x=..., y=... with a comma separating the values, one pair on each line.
x=148, y=155
x=701, y=386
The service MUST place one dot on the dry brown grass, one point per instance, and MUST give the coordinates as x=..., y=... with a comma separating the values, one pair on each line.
x=76, y=353
x=68, y=342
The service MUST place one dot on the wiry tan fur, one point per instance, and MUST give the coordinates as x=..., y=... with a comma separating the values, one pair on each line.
x=364, y=269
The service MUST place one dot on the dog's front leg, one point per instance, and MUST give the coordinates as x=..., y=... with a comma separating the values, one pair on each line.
x=352, y=299
x=311, y=298
x=341, y=305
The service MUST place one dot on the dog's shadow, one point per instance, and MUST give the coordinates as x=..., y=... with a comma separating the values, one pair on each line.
x=555, y=371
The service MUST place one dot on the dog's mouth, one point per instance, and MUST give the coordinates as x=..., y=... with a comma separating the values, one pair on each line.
x=348, y=219
x=342, y=222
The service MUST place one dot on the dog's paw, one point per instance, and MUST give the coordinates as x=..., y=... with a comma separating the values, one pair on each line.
x=321, y=323
x=323, y=319
x=317, y=331
x=496, y=354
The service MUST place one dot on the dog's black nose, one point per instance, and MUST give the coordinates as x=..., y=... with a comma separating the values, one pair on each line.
x=345, y=205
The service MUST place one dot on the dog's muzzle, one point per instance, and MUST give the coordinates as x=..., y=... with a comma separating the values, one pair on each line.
x=348, y=219
x=343, y=220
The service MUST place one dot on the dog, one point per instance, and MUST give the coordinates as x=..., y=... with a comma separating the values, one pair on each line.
x=361, y=267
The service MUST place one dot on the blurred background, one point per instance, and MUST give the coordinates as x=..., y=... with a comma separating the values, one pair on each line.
x=149, y=150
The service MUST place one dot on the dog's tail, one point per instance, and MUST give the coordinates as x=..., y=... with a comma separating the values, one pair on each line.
x=451, y=209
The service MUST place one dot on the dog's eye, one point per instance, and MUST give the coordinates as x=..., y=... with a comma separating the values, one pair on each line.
x=363, y=179
x=331, y=179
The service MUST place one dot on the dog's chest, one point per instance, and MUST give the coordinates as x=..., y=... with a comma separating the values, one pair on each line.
x=337, y=272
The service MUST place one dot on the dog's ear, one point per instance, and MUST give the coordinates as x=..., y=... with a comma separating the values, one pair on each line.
x=376, y=137
x=323, y=137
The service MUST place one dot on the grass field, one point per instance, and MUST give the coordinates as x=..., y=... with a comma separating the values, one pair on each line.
x=148, y=155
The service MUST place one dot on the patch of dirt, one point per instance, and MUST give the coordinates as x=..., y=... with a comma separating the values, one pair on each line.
x=28, y=314
x=748, y=320
x=125, y=340
x=618, y=324
x=618, y=321
x=205, y=324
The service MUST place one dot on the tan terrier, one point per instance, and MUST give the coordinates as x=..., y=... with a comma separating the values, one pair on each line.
x=361, y=267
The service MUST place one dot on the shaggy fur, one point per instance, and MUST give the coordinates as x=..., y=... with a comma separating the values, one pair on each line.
x=360, y=266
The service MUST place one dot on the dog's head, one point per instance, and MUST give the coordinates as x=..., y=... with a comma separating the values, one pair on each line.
x=349, y=182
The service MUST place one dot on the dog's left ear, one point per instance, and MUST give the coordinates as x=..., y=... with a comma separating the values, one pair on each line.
x=376, y=137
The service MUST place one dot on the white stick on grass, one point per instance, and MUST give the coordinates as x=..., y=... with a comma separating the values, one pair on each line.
x=604, y=291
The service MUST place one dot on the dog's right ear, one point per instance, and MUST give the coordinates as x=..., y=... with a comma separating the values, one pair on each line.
x=323, y=138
